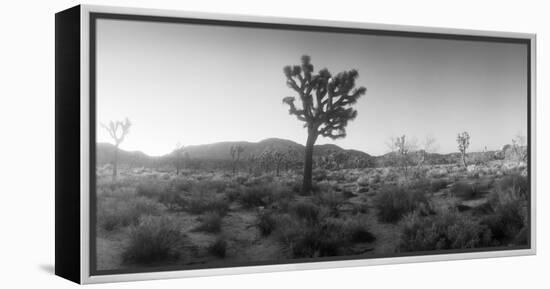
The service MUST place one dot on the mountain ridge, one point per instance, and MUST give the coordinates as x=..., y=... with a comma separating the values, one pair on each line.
x=220, y=151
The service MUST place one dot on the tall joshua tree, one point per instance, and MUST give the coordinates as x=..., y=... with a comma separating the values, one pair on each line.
x=463, y=140
x=326, y=102
x=235, y=151
x=118, y=131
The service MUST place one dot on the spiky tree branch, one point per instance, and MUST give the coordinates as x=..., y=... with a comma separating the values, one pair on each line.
x=118, y=130
x=326, y=102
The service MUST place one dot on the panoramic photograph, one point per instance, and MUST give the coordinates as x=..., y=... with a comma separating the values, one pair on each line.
x=223, y=146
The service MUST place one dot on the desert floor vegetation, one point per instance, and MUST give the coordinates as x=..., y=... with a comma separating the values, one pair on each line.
x=195, y=217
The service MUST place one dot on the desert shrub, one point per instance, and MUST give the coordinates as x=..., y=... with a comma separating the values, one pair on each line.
x=256, y=196
x=296, y=187
x=307, y=212
x=393, y=202
x=326, y=237
x=113, y=213
x=233, y=193
x=288, y=229
x=183, y=185
x=421, y=184
x=329, y=199
x=318, y=242
x=263, y=195
x=515, y=183
x=347, y=194
x=165, y=194
x=259, y=180
x=319, y=175
x=437, y=173
x=337, y=176
x=483, y=209
x=154, y=239
x=419, y=173
x=509, y=220
x=466, y=191
x=211, y=222
x=266, y=223
x=172, y=199
x=360, y=208
x=438, y=184
x=210, y=186
x=357, y=231
x=218, y=248
x=282, y=196
x=199, y=203
x=151, y=189
x=446, y=230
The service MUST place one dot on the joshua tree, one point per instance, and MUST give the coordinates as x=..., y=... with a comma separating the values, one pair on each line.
x=118, y=131
x=326, y=102
x=266, y=159
x=340, y=159
x=429, y=146
x=178, y=157
x=279, y=158
x=251, y=160
x=235, y=152
x=291, y=158
x=401, y=148
x=463, y=140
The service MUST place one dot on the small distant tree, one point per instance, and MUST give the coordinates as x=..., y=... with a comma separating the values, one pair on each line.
x=291, y=158
x=429, y=146
x=117, y=131
x=463, y=140
x=401, y=147
x=519, y=147
x=340, y=159
x=266, y=160
x=235, y=151
x=178, y=158
x=251, y=161
x=279, y=159
x=326, y=102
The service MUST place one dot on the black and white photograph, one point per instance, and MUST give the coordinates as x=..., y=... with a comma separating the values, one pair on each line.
x=222, y=145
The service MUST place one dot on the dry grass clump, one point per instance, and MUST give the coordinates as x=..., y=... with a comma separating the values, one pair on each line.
x=211, y=222
x=509, y=204
x=154, y=240
x=393, y=202
x=218, y=248
x=267, y=222
x=199, y=203
x=117, y=212
x=447, y=230
x=310, y=237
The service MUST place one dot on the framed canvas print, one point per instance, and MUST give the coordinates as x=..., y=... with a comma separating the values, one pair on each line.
x=192, y=144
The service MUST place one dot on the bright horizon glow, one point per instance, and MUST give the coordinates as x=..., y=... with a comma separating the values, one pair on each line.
x=199, y=84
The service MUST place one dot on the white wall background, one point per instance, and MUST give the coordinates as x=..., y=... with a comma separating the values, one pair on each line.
x=27, y=143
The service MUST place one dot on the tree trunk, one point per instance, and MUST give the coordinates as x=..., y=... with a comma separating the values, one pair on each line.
x=115, y=163
x=308, y=162
x=464, y=159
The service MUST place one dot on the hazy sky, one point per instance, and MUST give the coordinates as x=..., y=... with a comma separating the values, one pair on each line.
x=198, y=84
